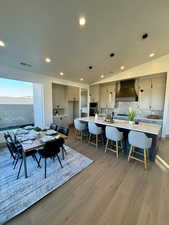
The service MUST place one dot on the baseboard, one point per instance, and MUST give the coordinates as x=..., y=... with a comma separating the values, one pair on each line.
x=162, y=163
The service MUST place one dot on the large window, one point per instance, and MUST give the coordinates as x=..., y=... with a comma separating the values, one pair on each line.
x=16, y=103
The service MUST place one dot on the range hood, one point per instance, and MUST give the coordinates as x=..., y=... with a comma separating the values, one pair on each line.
x=126, y=91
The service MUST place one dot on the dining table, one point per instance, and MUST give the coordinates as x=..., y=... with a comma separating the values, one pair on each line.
x=36, y=144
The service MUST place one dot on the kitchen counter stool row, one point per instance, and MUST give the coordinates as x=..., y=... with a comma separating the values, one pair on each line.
x=138, y=141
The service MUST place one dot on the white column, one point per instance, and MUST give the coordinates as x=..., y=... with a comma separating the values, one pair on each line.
x=42, y=101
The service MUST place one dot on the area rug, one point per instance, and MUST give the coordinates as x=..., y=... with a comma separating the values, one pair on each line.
x=18, y=195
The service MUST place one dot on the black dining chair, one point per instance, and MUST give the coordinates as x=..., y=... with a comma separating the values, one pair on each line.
x=9, y=144
x=53, y=126
x=19, y=155
x=51, y=150
x=65, y=131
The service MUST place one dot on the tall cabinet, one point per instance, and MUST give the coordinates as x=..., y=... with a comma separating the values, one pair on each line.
x=152, y=93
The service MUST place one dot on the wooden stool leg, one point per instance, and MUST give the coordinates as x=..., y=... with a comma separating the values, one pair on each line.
x=89, y=138
x=131, y=149
x=117, y=150
x=121, y=143
x=107, y=142
x=145, y=158
x=96, y=141
x=81, y=136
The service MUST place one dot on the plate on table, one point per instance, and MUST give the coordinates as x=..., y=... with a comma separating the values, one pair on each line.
x=47, y=138
x=51, y=132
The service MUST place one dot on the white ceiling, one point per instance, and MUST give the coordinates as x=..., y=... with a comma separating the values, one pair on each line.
x=35, y=29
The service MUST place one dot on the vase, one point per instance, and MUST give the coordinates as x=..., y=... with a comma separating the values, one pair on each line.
x=131, y=122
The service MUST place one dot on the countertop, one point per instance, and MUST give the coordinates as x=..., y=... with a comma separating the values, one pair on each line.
x=150, y=128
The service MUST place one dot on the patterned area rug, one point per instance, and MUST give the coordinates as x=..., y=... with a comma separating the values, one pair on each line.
x=17, y=195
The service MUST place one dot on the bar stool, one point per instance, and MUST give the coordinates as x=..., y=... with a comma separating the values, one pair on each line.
x=141, y=141
x=114, y=135
x=96, y=131
x=80, y=128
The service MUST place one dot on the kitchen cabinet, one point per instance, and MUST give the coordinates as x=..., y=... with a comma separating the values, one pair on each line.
x=72, y=93
x=58, y=96
x=107, y=96
x=94, y=93
x=152, y=93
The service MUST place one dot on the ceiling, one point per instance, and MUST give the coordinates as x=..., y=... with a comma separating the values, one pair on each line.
x=35, y=29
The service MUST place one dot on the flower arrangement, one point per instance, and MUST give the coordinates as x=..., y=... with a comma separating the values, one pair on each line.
x=131, y=114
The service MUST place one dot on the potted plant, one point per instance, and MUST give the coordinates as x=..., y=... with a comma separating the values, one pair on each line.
x=96, y=113
x=131, y=116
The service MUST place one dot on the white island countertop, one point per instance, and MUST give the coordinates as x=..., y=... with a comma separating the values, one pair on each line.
x=149, y=128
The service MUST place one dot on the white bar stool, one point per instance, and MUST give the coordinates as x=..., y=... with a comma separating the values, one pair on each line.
x=80, y=128
x=141, y=141
x=114, y=135
x=96, y=131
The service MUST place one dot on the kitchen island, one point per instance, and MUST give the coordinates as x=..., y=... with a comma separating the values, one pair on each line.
x=150, y=129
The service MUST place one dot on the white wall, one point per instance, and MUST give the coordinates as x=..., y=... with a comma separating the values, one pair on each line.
x=156, y=66
x=46, y=92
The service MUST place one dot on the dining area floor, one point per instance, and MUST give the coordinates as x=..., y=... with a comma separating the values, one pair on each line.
x=110, y=191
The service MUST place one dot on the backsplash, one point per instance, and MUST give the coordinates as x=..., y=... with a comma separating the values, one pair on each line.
x=123, y=107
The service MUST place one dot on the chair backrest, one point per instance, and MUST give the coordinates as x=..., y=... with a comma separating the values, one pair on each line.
x=63, y=130
x=52, y=147
x=79, y=125
x=93, y=128
x=113, y=133
x=53, y=126
x=138, y=139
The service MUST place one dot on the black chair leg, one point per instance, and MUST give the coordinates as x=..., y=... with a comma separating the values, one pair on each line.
x=16, y=163
x=37, y=161
x=45, y=167
x=63, y=153
x=20, y=169
x=59, y=161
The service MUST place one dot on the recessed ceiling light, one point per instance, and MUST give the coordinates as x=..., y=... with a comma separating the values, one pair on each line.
x=144, y=36
x=82, y=21
x=61, y=73
x=102, y=76
x=2, y=44
x=81, y=79
x=152, y=55
x=48, y=60
x=122, y=67
x=112, y=55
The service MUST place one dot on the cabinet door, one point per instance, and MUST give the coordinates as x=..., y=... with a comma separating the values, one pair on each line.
x=103, y=97
x=111, y=96
x=145, y=94
x=94, y=93
x=158, y=93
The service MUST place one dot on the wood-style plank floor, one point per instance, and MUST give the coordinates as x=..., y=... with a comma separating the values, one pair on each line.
x=109, y=192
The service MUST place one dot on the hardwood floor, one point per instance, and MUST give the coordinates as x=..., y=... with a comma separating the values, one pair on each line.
x=109, y=192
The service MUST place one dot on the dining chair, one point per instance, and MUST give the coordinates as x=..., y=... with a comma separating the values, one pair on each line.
x=19, y=155
x=96, y=132
x=65, y=131
x=8, y=141
x=139, y=140
x=80, y=128
x=114, y=135
x=53, y=126
x=51, y=149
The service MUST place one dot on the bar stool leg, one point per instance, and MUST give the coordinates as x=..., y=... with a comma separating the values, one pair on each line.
x=96, y=141
x=121, y=143
x=117, y=150
x=81, y=136
x=145, y=158
x=89, y=138
x=107, y=142
x=131, y=149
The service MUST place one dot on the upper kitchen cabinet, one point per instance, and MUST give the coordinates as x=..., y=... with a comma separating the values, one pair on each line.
x=72, y=93
x=107, y=95
x=94, y=93
x=152, y=92
x=158, y=93
x=58, y=96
